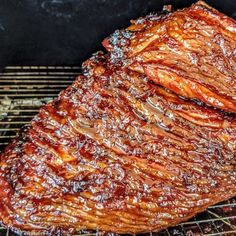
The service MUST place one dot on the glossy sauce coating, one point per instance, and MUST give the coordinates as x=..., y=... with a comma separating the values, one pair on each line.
x=118, y=153
x=191, y=52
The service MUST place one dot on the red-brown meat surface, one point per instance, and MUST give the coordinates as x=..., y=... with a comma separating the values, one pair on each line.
x=192, y=52
x=118, y=153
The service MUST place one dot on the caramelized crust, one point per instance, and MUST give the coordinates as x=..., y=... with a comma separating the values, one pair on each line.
x=191, y=52
x=118, y=153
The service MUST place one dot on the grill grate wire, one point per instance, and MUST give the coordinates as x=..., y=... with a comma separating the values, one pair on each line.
x=24, y=89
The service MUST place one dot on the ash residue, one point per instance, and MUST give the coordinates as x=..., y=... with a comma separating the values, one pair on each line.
x=8, y=104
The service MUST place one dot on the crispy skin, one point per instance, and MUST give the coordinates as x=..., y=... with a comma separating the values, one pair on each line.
x=192, y=52
x=116, y=153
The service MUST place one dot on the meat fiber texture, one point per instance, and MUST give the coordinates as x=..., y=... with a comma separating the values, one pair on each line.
x=123, y=149
x=191, y=52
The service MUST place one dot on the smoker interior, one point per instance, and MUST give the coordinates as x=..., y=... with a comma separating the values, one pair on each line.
x=24, y=89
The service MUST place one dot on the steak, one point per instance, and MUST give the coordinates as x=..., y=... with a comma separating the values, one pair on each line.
x=119, y=152
x=192, y=52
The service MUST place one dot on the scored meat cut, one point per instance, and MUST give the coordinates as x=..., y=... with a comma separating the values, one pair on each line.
x=122, y=149
x=119, y=154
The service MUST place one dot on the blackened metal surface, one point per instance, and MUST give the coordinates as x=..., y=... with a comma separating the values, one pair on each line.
x=54, y=32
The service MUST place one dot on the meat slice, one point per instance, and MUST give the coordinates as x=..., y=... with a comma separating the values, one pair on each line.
x=191, y=52
x=117, y=153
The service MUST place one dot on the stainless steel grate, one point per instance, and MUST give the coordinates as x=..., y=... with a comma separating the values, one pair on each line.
x=23, y=89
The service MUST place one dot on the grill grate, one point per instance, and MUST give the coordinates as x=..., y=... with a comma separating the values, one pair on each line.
x=24, y=89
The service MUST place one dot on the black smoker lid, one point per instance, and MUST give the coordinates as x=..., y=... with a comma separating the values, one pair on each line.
x=66, y=32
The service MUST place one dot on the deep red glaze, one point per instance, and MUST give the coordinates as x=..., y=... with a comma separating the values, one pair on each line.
x=191, y=52
x=118, y=153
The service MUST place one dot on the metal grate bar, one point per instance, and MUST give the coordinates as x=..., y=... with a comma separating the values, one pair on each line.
x=29, y=95
x=39, y=81
x=225, y=219
x=25, y=77
x=24, y=89
x=12, y=122
x=221, y=234
x=34, y=90
x=209, y=220
x=30, y=86
x=47, y=68
x=37, y=73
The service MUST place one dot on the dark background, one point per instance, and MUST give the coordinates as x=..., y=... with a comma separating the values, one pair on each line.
x=66, y=32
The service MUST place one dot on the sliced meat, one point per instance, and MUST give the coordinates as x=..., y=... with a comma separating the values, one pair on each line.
x=192, y=52
x=117, y=153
